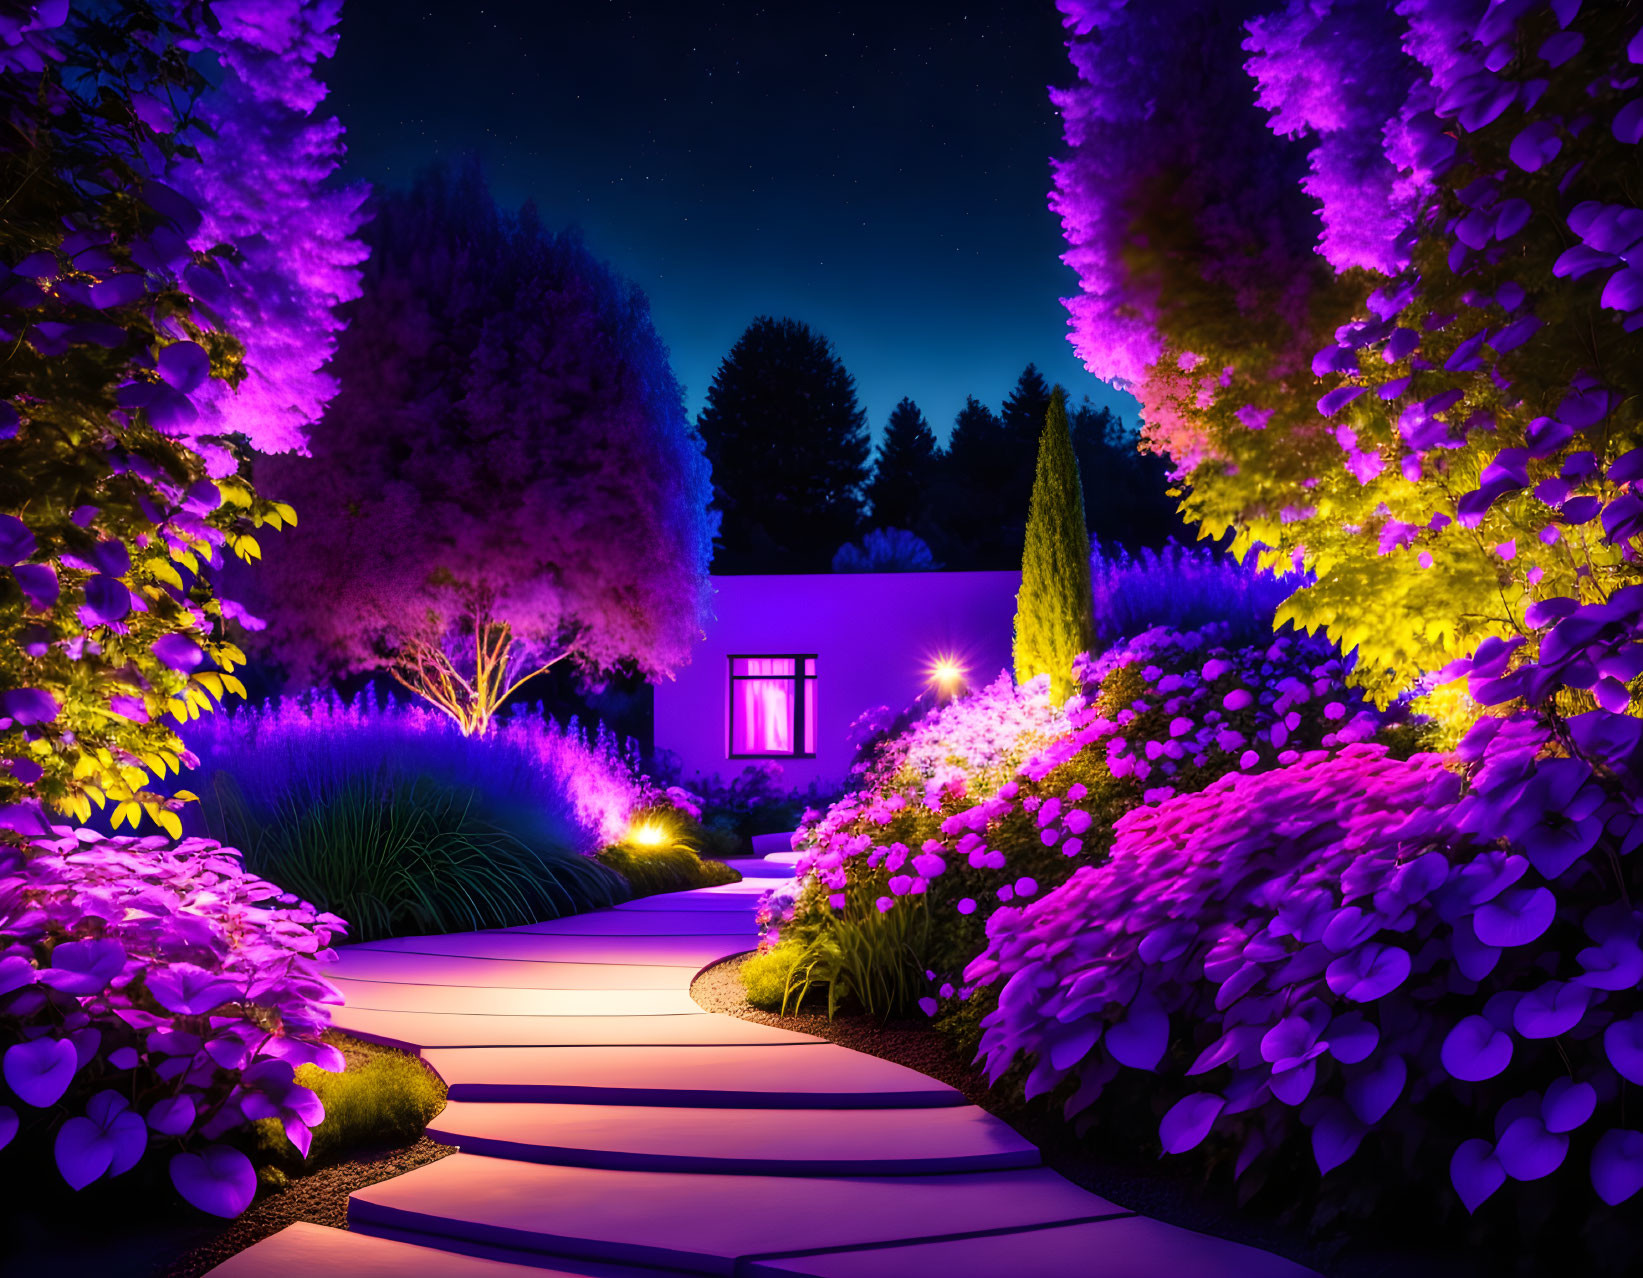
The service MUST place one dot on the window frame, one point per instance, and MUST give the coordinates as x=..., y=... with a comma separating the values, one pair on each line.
x=800, y=674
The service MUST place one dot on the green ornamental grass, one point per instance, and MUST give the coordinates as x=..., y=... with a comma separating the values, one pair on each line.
x=399, y=856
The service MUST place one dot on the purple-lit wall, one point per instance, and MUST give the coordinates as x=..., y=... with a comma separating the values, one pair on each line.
x=875, y=637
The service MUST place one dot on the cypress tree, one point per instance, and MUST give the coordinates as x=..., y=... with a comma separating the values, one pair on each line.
x=1054, y=612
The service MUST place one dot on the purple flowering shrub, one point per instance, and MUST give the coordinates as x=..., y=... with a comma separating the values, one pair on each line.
x=1378, y=294
x=1020, y=801
x=387, y=813
x=154, y=997
x=1183, y=587
x=1437, y=958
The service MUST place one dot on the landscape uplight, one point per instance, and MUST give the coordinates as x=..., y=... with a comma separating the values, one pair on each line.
x=947, y=674
x=649, y=834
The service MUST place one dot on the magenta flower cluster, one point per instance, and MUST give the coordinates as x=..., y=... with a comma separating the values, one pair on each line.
x=156, y=998
x=1353, y=944
x=1019, y=778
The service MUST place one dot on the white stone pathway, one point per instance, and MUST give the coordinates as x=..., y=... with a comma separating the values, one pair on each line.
x=610, y=1128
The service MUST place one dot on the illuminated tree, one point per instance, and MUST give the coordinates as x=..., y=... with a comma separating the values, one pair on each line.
x=506, y=478
x=1396, y=336
x=1055, y=618
x=144, y=249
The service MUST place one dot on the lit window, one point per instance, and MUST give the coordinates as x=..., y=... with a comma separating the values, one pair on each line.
x=772, y=707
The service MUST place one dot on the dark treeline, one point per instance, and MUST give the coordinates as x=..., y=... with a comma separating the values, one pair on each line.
x=795, y=477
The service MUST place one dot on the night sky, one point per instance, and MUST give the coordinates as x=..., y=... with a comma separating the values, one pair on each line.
x=876, y=169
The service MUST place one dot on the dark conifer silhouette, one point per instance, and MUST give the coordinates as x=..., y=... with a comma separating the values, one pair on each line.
x=905, y=470
x=970, y=512
x=789, y=449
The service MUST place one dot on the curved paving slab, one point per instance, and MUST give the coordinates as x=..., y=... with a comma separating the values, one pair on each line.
x=814, y=1142
x=741, y=903
x=314, y=1251
x=415, y=1031
x=1131, y=1247
x=665, y=951
x=490, y=1000
x=655, y=923
x=702, y=1222
x=607, y=1122
x=756, y=867
x=808, y=1074
x=358, y=964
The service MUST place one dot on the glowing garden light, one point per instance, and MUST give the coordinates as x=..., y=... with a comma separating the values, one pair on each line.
x=649, y=834
x=947, y=674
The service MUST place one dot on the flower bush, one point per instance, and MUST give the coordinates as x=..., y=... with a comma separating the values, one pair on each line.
x=1000, y=796
x=157, y=998
x=1437, y=957
x=1183, y=587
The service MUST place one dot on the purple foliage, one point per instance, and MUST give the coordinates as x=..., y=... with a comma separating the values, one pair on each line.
x=508, y=461
x=1183, y=587
x=1356, y=943
x=1135, y=164
x=175, y=255
x=576, y=788
x=154, y=995
x=261, y=184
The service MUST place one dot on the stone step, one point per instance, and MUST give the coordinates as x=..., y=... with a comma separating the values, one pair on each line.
x=357, y=964
x=653, y=923
x=389, y=996
x=315, y=1251
x=703, y=1222
x=784, y=1142
x=802, y=1074
x=1127, y=1247
x=784, y=856
x=756, y=867
x=717, y=889
x=690, y=903
x=765, y=844
x=415, y=1031
x=646, y=951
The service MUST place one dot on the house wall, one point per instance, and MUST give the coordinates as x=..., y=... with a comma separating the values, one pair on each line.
x=875, y=636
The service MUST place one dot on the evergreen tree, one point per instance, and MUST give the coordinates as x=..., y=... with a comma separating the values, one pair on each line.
x=789, y=449
x=900, y=490
x=1054, y=610
x=970, y=512
x=1126, y=491
x=1023, y=415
